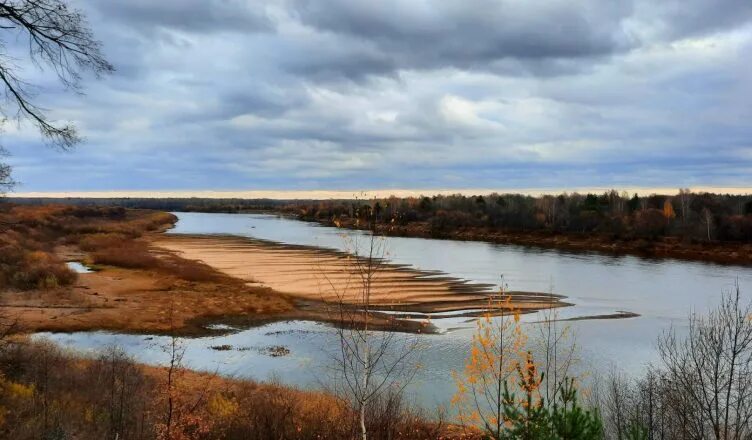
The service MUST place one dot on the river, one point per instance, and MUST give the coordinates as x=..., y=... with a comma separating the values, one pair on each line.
x=662, y=291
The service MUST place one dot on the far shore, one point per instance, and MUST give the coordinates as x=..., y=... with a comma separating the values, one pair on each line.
x=667, y=247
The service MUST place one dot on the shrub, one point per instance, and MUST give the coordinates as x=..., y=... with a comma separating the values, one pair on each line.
x=129, y=254
x=27, y=259
x=23, y=269
x=95, y=242
x=189, y=270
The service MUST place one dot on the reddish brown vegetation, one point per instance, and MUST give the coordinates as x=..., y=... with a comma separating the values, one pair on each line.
x=133, y=281
x=57, y=395
x=29, y=237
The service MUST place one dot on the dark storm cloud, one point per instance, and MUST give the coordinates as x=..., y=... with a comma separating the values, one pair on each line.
x=187, y=15
x=502, y=36
x=677, y=19
x=463, y=34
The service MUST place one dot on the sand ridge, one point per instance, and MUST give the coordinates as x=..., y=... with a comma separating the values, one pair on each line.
x=328, y=275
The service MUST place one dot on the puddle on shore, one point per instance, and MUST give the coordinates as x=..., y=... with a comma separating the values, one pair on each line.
x=78, y=267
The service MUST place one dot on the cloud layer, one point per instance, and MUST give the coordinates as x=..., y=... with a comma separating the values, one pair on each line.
x=344, y=94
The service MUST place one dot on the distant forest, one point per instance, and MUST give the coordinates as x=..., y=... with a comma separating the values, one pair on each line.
x=687, y=215
x=188, y=204
x=698, y=217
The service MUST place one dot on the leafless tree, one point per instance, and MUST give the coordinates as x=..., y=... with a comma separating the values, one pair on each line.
x=701, y=390
x=707, y=217
x=122, y=394
x=685, y=197
x=373, y=366
x=550, y=207
x=175, y=351
x=634, y=408
x=712, y=369
x=558, y=347
x=59, y=38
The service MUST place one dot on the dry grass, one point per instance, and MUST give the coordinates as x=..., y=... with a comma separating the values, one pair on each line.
x=26, y=269
x=121, y=250
x=29, y=240
x=54, y=394
x=128, y=254
x=133, y=285
x=101, y=240
x=29, y=236
x=118, y=250
x=191, y=270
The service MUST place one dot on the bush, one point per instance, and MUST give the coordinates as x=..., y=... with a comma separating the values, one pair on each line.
x=61, y=396
x=650, y=223
x=23, y=269
x=189, y=270
x=128, y=254
x=27, y=244
x=95, y=242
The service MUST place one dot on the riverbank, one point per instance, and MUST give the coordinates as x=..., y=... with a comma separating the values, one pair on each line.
x=133, y=287
x=664, y=247
x=146, y=281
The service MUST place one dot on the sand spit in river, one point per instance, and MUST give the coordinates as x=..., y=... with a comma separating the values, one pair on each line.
x=312, y=273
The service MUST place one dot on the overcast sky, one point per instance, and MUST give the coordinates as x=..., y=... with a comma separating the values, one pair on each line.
x=346, y=94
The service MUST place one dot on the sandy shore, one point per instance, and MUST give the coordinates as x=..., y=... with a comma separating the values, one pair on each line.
x=330, y=276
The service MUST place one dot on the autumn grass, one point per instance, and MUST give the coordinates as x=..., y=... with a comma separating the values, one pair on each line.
x=46, y=392
x=133, y=280
x=111, y=236
x=29, y=236
x=32, y=269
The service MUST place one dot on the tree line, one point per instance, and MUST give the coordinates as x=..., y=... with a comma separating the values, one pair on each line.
x=685, y=215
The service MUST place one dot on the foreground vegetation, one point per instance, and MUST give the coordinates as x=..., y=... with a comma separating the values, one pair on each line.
x=701, y=387
x=46, y=393
x=30, y=236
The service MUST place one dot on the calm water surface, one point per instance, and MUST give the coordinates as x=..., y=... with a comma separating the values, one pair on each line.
x=663, y=292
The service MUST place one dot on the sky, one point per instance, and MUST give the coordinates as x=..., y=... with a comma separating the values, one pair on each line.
x=348, y=95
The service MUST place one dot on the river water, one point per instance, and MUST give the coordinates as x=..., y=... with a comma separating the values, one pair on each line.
x=663, y=292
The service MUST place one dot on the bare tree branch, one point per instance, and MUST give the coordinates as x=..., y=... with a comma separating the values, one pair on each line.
x=59, y=38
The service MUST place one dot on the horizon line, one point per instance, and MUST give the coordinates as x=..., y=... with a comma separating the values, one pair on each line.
x=360, y=194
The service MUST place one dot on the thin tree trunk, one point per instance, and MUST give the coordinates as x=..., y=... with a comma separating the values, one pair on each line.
x=363, y=432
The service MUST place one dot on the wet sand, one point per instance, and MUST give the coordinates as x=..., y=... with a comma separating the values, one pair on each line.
x=330, y=276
